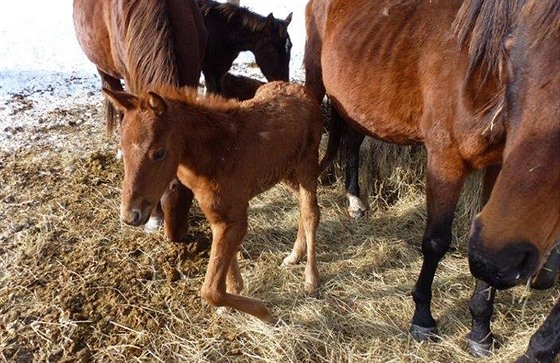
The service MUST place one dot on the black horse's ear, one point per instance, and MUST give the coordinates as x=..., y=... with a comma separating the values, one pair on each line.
x=270, y=19
x=288, y=19
x=156, y=103
x=123, y=101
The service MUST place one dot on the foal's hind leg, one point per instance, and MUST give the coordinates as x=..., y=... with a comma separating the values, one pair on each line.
x=299, y=249
x=310, y=216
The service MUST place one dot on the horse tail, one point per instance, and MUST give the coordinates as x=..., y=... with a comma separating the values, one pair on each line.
x=337, y=128
x=110, y=115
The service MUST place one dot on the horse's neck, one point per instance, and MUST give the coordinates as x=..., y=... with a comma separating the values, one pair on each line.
x=207, y=135
x=236, y=37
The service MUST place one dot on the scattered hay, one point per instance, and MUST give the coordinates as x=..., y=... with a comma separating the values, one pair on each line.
x=77, y=285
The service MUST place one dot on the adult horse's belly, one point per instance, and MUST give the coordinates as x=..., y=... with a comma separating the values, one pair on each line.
x=374, y=63
x=92, y=26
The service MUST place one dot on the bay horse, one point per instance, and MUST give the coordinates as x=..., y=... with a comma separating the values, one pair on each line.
x=411, y=72
x=226, y=152
x=519, y=227
x=144, y=42
x=233, y=29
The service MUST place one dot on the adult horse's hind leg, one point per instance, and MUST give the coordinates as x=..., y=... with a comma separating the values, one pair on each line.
x=352, y=141
x=446, y=174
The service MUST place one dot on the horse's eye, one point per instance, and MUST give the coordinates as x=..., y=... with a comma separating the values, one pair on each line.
x=159, y=155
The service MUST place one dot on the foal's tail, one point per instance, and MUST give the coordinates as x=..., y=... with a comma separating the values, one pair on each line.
x=337, y=128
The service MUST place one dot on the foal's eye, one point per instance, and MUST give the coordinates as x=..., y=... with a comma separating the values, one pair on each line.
x=159, y=155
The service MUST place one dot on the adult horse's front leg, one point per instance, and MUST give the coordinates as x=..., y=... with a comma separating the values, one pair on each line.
x=481, y=305
x=544, y=345
x=226, y=239
x=176, y=204
x=446, y=174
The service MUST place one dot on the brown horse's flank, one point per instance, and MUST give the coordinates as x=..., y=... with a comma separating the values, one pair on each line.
x=418, y=71
x=226, y=152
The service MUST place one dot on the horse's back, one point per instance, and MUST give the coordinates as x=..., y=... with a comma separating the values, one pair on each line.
x=383, y=62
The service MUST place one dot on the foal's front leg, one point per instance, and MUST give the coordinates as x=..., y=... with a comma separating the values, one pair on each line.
x=226, y=239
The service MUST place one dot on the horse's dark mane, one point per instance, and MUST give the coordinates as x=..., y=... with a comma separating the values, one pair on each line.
x=148, y=21
x=547, y=20
x=481, y=26
x=233, y=14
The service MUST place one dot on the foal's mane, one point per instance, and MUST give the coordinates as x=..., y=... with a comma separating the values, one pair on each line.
x=233, y=14
x=148, y=44
x=190, y=96
x=481, y=26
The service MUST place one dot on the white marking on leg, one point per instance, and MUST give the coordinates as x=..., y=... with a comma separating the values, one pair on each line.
x=153, y=224
x=355, y=206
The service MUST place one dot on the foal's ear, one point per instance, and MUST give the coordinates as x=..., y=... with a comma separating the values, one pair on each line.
x=288, y=19
x=156, y=103
x=122, y=101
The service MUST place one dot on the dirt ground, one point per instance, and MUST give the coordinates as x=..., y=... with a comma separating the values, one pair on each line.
x=76, y=285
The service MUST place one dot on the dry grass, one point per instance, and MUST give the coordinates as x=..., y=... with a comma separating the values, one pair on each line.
x=76, y=285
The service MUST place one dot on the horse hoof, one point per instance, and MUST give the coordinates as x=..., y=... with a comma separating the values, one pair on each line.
x=153, y=224
x=311, y=289
x=224, y=310
x=478, y=349
x=424, y=334
x=291, y=259
x=356, y=213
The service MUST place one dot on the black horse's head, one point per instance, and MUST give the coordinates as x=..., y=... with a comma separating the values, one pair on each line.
x=273, y=47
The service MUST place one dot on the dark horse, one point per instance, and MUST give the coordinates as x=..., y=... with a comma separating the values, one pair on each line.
x=520, y=224
x=227, y=152
x=233, y=29
x=428, y=72
x=144, y=42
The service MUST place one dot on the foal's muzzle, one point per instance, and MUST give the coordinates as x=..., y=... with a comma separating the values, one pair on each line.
x=135, y=216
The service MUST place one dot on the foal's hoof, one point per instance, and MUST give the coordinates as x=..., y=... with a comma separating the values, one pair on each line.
x=424, y=334
x=479, y=349
x=291, y=259
x=311, y=289
x=153, y=224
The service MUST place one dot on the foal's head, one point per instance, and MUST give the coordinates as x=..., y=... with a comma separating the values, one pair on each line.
x=273, y=48
x=151, y=152
x=520, y=225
